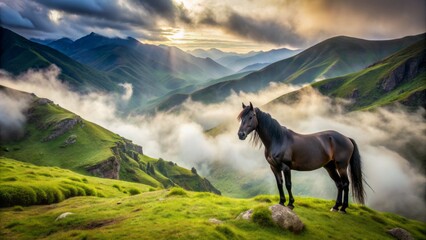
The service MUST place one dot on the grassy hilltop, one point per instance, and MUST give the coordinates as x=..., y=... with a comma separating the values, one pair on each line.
x=55, y=136
x=118, y=211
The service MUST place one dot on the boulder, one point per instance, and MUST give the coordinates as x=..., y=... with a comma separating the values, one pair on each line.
x=286, y=218
x=215, y=221
x=245, y=215
x=400, y=234
x=283, y=216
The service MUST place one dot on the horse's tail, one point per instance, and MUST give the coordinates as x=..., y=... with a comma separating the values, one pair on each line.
x=356, y=175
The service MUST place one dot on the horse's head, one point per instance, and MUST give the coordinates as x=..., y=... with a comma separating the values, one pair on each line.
x=248, y=121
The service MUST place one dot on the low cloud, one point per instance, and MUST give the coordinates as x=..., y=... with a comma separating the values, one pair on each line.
x=13, y=107
x=128, y=90
x=382, y=136
x=263, y=30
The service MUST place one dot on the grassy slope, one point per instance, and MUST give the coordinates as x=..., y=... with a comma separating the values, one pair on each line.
x=19, y=54
x=28, y=184
x=176, y=214
x=92, y=147
x=368, y=81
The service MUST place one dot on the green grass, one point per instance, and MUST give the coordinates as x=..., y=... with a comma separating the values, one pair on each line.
x=93, y=143
x=45, y=185
x=159, y=215
x=122, y=210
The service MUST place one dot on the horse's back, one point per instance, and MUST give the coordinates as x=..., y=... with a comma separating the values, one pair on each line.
x=341, y=146
x=319, y=148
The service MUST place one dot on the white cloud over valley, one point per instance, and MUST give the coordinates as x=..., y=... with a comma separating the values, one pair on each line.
x=382, y=136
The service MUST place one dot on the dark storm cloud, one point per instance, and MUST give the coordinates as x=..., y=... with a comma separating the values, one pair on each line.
x=138, y=18
x=270, y=31
x=183, y=14
x=31, y=13
x=11, y=17
x=208, y=17
x=165, y=8
x=103, y=9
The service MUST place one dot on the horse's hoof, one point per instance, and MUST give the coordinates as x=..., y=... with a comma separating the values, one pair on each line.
x=334, y=210
x=342, y=211
x=290, y=206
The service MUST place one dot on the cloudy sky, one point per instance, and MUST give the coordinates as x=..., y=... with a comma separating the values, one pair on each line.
x=231, y=25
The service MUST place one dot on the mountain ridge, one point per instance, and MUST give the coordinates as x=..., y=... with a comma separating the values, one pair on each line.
x=330, y=58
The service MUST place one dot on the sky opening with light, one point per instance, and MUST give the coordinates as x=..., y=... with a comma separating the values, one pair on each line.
x=232, y=25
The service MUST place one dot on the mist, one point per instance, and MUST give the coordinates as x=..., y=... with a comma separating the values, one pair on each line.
x=181, y=137
x=12, y=115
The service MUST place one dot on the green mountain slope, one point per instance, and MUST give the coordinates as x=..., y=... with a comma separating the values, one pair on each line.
x=174, y=214
x=399, y=78
x=18, y=54
x=57, y=137
x=331, y=58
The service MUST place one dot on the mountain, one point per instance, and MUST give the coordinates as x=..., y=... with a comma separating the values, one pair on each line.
x=18, y=55
x=54, y=136
x=213, y=53
x=42, y=41
x=63, y=44
x=261, y=58
x=331, y=58
x=152, y=70
x=400, y=77
x=254, y=67
x=239, y=61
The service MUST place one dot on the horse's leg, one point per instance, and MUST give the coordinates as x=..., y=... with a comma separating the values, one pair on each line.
x=331, y=169
x=345, y=183
x=279, y=179
x=287, y=177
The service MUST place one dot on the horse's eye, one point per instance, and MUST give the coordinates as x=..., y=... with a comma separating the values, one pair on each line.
x=250, y=117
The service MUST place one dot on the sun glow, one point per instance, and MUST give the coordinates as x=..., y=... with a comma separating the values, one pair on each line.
x=178, y=36
x=55, y=16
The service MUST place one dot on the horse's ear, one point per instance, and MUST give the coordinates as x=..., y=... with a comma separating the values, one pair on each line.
x=251, y=106
x=244, y=106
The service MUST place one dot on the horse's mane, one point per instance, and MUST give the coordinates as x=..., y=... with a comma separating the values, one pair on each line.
x=275, y=128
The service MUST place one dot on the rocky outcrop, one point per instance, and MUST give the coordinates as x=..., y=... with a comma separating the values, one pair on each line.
x=62, y=127
x=400, y=234
x=69, y=141
x=133, y=147
x=43, y=101
x=109, y=168
x=416, y=99
x=404, y=73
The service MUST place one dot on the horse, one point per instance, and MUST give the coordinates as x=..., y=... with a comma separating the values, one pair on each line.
x=286, y=150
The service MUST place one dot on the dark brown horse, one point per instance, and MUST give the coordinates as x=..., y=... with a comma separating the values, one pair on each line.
x=286, y=150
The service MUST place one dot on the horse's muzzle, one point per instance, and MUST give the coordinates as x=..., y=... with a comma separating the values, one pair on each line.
x=242, y=135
